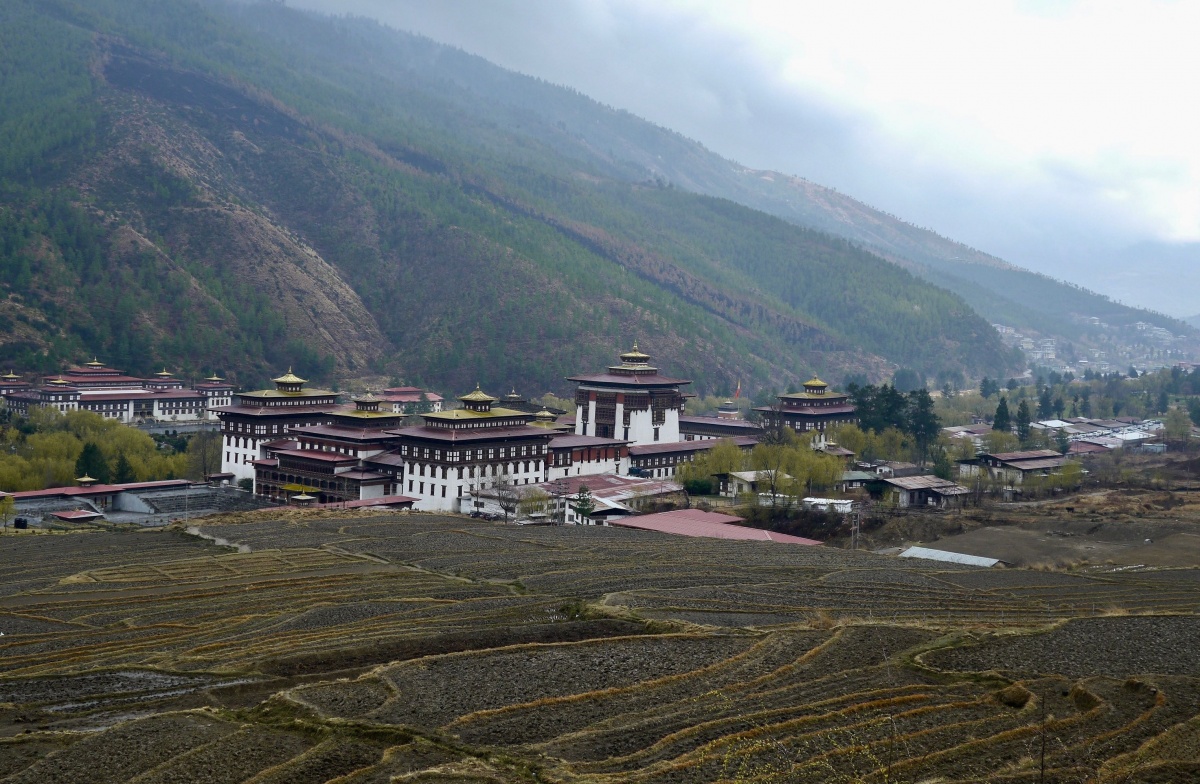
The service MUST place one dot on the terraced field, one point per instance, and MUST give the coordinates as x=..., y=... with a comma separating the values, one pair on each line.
x=420, y=648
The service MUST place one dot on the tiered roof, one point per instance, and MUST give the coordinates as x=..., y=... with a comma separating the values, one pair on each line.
x=635, y=370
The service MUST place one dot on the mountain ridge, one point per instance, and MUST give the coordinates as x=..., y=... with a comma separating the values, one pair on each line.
x=260, y=227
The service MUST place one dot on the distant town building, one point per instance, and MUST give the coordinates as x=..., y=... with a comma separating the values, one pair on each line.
x=412, y=400
x=114, y=395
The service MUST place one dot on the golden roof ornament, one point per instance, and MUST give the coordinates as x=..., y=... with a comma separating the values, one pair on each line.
x=478, y=396
x=290, y=378
x=635, y=357
x=214, y=377
x=95, y=363
x=10, y=376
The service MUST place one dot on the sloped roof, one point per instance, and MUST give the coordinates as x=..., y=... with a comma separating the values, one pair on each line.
x=949, y=557
x=710, y=525
x=290, y=378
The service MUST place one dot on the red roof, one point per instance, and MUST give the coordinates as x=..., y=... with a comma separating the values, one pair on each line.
x=77, y=514
x=283, y=443
x=454, y=435
x=386, y=500
x=711, y=525
x=688, y=419
x=278, y=411
x=1033, y=454
x=99, y=489
x=98, y=378
x=570, y=440
x=312, y=454
x=632, y=380
x=669, y=447
x=811, y=410
x=349, y=433
x=364, y=476
x=409, y=395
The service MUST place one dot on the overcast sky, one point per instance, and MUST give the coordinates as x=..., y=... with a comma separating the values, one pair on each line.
x=1056, y=135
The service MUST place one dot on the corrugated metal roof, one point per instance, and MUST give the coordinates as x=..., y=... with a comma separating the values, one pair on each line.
x=949, y=557
x=1032, y=454
x=927, y=482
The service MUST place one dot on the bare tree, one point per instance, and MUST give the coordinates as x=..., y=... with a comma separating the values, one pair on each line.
x=774, y=429
x=204, y=454
x=507, y=494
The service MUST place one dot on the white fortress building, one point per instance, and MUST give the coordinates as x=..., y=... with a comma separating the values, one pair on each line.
x=631, y=402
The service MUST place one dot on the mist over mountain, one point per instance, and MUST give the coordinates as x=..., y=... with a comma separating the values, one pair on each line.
x=1045, y=134
x=629, y=147
x=242, y=187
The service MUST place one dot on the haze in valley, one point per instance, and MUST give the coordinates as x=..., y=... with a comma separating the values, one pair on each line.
x=1052, y=134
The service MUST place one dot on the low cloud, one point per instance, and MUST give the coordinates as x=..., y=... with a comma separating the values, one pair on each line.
x=1041, y=133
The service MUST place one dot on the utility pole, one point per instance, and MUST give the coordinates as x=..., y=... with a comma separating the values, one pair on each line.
x=856, y=519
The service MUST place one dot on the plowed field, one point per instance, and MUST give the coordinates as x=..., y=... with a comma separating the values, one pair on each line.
x=420, y=648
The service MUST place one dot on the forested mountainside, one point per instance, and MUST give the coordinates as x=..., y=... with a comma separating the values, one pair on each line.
x=625, y=147
x=236, y=187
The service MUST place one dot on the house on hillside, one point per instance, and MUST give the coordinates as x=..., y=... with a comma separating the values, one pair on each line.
x=921, y=491
x=1013, y=468
x=737, y=483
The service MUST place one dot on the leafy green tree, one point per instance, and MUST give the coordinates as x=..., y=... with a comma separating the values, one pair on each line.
x=907, y=380
x=923, y=424
x=534, y=502
x=942, y=467
x=8, y=507
x=583, y=504
x=771, y=463
x=1045, y=404
x=123, y=472
x=91, y=463
x=849, y=436
x=1062, y=442
x=1002, y=422
x=997, y=442
x=988, y=387
x=1178, y=426
x=1023, y=422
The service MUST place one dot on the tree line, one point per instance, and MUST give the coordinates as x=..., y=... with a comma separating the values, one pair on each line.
x=53, y=449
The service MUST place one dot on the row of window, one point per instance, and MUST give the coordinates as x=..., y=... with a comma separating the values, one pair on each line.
x=455, y=456
x=418, y=469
